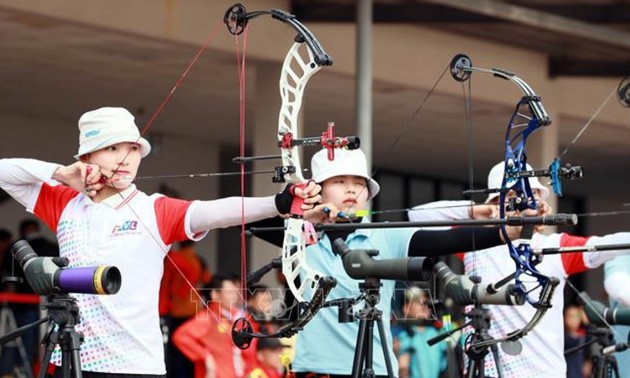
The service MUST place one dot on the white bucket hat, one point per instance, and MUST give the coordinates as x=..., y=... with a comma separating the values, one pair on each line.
x=495, y=179
x=105, y=127
x=346, y=163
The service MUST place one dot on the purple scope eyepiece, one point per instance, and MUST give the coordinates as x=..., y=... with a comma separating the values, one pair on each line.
x=49, y=275
x=91, y=280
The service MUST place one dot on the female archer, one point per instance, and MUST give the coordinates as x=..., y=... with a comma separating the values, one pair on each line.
x=101, y=218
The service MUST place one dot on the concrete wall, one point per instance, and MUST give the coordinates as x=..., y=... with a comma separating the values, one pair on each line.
x=404, y=55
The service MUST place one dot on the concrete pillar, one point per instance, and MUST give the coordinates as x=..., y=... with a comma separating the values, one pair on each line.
x=364, y=77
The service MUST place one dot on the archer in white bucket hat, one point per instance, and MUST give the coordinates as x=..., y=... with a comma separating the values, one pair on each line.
x=105, y=127
x=495, y=179
x=346, y=187
x=345, y=163
x=99, y=215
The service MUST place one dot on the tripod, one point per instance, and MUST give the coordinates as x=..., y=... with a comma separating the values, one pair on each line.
x=480, y=321
x=363, y=352
x=63, y=313
x=604, y=364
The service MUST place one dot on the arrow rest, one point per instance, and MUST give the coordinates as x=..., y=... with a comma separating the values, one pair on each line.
x=279, y=172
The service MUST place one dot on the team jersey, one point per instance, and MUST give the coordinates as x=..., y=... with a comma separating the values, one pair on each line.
x=543, y=347
x=131, y=231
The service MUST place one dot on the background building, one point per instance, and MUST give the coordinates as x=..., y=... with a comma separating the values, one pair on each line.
x=60, y=58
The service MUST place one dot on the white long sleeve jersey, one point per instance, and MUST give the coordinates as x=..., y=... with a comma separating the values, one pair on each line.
x=131, y=231
x=542, y=355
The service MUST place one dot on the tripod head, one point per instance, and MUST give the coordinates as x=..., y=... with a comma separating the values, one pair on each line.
x=62, y=309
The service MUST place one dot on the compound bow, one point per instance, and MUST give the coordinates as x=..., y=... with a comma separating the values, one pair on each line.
x=305, y=58
x=528, y=116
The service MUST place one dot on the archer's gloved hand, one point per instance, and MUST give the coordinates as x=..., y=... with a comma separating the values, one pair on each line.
x=309, y=192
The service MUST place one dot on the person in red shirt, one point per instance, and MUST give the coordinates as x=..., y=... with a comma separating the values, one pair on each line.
x=206, y=339
x=259, y=308
x=269, y=359
x=183, y=273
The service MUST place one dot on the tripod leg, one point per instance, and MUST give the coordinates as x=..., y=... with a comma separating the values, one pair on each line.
x=25, y=359
x=598, y=370
x=357, y=365
x=470, y=370
x=615, y=367
x=50, y=340
x=46, y=360
x=497, y=360
x=74, y=339
x=388, y=361
x=76, y=364
x=368, y=370
x=66, y=360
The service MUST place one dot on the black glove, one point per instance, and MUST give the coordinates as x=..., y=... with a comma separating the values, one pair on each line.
x=284, y=199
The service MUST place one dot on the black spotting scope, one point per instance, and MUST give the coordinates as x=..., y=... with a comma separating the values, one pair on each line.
x=463, y=291
x=360, y=264
x=598, y=313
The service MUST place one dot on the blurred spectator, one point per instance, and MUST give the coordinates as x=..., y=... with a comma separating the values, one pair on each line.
x=6, y=260
x=206, y=339
x=574, y=335
x=259, y=303
x=184, y=272
x=416, y=358
x=31, y=232
x=9, y=358
x=269, y=356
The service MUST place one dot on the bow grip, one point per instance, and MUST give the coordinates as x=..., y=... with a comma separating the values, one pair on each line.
x=296, y=204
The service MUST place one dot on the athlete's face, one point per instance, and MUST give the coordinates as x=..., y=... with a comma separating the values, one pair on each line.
x=119, y=163
x=348, y=193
